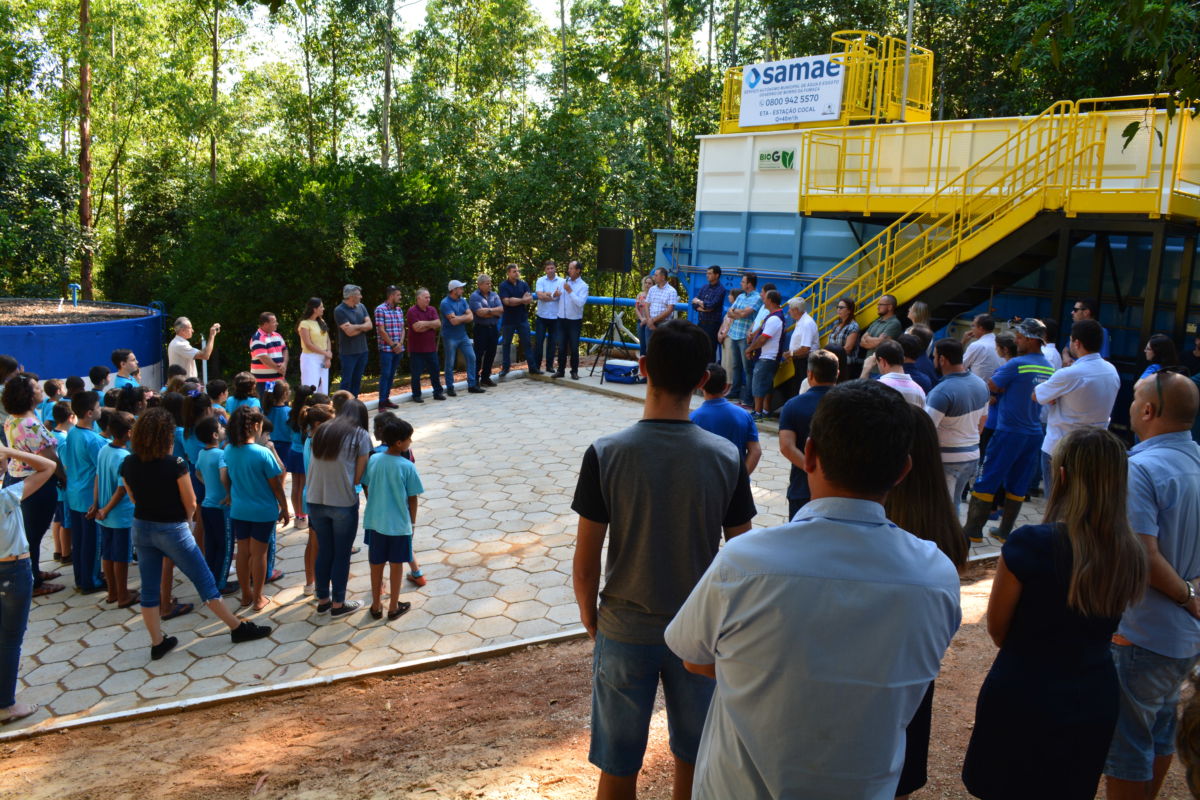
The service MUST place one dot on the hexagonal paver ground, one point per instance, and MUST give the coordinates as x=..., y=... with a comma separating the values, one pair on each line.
x=494, y=535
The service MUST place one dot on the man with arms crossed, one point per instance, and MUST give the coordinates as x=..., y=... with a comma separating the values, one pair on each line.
x=824, y=633
x=1158, y=642
x=659, y=545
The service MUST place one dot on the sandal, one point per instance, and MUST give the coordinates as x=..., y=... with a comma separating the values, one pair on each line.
x=47, y=588
x=376, y=613
x=400, y=611
x=178, y=610
x=276, y=575
x=49, y=576
x=19, y=711
x=133, y=599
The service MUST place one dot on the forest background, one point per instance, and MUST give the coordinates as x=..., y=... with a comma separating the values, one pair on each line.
x=245, y=156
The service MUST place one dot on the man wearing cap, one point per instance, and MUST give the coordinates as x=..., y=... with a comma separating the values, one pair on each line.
x=1012, y=453
x=455, y=316
x=485, y=305
x=389, y=325
x=352, y=322
x=545, y=337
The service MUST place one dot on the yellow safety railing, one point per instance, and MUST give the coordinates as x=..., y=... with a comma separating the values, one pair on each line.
x=873, y=90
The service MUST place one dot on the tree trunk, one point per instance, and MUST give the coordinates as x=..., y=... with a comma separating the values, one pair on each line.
x=387, y=87
x=333, y=94
x=562, y=27
x=116, y=116
x=310, y=133
x=733, y=52
x=667, y=81
x=216, y=63
x=85, y=147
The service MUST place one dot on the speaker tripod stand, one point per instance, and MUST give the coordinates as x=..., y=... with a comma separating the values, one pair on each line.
x=612, y=335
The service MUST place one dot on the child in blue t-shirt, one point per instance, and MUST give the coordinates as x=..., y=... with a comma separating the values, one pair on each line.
x=61, y=421
x=78, y=457
x=392, y=486
x=256, y=503
x=114, y=512
x=214, y=508
x=244, y=393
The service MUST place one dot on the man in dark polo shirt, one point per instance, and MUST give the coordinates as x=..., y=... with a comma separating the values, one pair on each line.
x=352, y=322
x=794, y=421
x=516, y=298
x=659, y=544
x=709, y=303
x=421, y=323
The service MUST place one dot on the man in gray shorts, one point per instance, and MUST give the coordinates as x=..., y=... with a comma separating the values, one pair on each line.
x=659, y=545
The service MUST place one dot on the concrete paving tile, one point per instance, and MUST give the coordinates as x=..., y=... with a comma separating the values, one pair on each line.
x=456, y=643
x=69, y=633
x=477, y=589
x=448, y=624
x=470, y=574
x=74, y=702
x=543, y=580
x=123, y=683
x=208, y=686
x=439, y=585
x=526, y=610
x=445, y=604
x=516, y=592
x=210, y=667
x=488, y=534
x=415, y=641
x=374, y=658
x=79, y=614
x=47, y=673
x=293, y=631
x=464, y=559
x=492, y=627
x=557, y=595
x=86, y=676
x=330, y=633
x=57, y=652
x=485, y=607
x=337, y=658
x=164, y=687
x=537, y=627
x=249, y=673
x=175, y=662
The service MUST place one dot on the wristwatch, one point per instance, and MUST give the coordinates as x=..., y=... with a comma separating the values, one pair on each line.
x=1191, y=593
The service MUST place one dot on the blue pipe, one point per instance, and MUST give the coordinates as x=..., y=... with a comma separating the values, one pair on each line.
x=626, y=302
x=75, y=288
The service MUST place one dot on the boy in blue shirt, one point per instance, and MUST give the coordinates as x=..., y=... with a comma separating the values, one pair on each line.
x=392, y=485
x=1013, y=451
x=114, y=513
x=78, y=456
x=61, y=421
x=718, y=415
x=214, y=508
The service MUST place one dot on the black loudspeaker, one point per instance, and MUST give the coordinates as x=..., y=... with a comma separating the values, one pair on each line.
x=614, y=250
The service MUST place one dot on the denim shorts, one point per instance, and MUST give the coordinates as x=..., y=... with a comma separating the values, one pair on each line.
x=258, y=531
x=295, y=461
x=383, y=549
x=624, y=681
x=764, y=376
x=116, y=544
x=1150, y=686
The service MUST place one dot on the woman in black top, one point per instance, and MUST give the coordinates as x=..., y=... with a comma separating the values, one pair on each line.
x=163, y=501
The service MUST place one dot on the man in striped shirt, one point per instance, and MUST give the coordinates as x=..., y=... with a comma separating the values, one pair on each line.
x=268, y=354
x=958, y=406
x=389, y=327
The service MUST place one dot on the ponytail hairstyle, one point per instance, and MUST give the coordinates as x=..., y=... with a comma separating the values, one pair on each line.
x=244, y=385
x=304, y=395
x=132, y=399
x=327, y=442
x=1088, y=483
x=242, y=423
x=173, y=402
x=279, y=395
x=314, y=416
x=195, y=408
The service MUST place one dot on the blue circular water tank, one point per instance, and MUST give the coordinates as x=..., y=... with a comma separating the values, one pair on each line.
x=64, y=349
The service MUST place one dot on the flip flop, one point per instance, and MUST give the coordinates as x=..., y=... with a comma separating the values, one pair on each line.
x=11, y=717
x=178, y=610
x=133, y=599
x=401, y=610
x=47, y=588
x=276, y=575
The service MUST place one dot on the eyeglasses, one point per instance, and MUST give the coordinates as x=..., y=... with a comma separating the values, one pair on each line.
x=842, y=306
x=1079, y=308
x=1158, y=409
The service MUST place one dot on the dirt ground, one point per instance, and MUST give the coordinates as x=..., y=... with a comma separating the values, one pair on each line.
x=509, y=728
x=47, y=312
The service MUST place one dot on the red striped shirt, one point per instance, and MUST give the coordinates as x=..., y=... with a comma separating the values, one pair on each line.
x=262, y=343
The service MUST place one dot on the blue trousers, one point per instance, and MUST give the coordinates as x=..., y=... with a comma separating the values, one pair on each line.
x=452, y=348
x=568, y=337
x=506, y=333
x=353, y=366
x=741, y=373
x=388, y=362
x=335, y=527
x=486, y=338
x=85, y=553
x=218, y=543
x=158, y=540
x=16, y=595
x=424, y=364
x=545, y=342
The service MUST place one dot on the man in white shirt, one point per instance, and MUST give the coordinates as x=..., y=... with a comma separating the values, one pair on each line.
x=548, y=290
x=1081, y=395
x=889, y=356
x=180, y=351
x=768, y=344
x=661, y=299
x=981, y=358
x=570, y=319
x=809, y=703
x=805, y=339
x=1049, y=350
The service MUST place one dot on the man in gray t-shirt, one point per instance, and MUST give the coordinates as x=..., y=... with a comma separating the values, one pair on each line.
x=352, y=322
x=663, y=491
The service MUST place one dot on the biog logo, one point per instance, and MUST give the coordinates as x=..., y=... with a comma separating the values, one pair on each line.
x=753, y=77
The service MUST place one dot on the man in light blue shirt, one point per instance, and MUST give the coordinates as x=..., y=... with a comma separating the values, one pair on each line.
x=818, y=701
x=455, y=316
x=741, y=317
x=1158, y=642
x=1078, y=396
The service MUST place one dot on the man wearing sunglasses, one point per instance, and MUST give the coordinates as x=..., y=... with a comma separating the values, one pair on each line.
x=1090, y=309
x=1078, y=396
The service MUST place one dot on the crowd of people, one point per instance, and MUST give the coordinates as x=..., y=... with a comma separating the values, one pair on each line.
x=798, y=660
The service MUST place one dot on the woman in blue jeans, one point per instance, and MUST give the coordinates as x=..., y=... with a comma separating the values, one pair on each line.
x=16, y=577
x=160, y=487
x=340, y=450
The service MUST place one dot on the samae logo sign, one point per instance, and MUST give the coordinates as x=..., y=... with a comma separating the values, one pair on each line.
x=777, y=159
x=797, y=90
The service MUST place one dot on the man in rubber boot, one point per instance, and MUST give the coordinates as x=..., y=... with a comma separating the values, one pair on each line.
x=1012, y=454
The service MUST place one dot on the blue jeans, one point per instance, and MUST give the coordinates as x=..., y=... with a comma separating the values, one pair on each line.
x=741, y=373
x=452, y=347
x=388, y=362
x=643, y=338
x=218, y=543
x=764, y=376
x=16, y=595
x=1146, y=716
x=624, y=681
x=424, y=364
x=506, y=333
x=568, y=337
x=545, y=341
x=85, y=553
x=158, y=540
x=958, y=474
x=1047, y=477
x=335, y=527
x=353, y=365
x=486, y=338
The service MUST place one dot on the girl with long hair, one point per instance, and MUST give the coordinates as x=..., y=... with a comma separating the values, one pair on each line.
x=844, y=334
x=158, y=483
x=316, y=350
x=1160, y=353
x=1048, y=707
x=921, y=505
x=340, y=450
x=256, y=502
x=312, y=417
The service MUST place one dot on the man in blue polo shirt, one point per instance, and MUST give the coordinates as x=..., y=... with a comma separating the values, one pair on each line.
x=1012, y=453
x=794, y=421
x=515, y=297
x=455, y=316
x=718, y=415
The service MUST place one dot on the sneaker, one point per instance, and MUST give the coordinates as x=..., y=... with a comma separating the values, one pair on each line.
x=349, y=607
x=475, y=390
x=387, y=404
x=451, y=393
x=248, y=632
x=159, y=650
x=323, y=606
x=419, y=580
x=309, y=589
x=301, y=522
x=439, y=397
x=417, y=400
x=487, y=382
